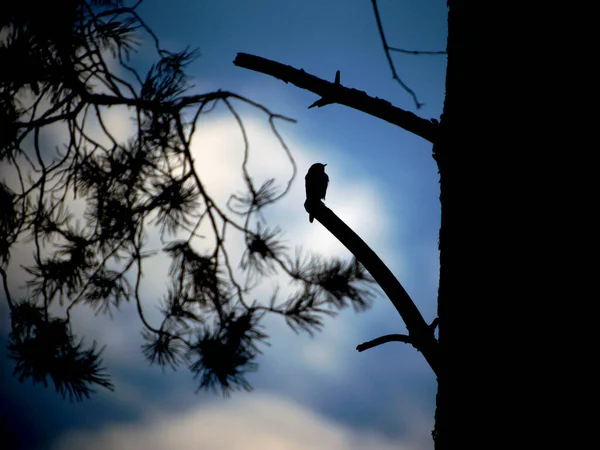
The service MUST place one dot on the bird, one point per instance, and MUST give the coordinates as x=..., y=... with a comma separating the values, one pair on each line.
x=316, y=185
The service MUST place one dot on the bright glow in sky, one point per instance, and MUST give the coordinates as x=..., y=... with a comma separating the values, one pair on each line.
x=310, y=393
x=251, y=422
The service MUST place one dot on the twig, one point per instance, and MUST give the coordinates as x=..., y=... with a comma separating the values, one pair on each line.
x=383, y=340
x=6, y=291
x=386, y=48
x=416, y=52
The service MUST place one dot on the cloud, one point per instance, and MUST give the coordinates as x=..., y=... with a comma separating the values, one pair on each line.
x=250, y=422
x=218, y=150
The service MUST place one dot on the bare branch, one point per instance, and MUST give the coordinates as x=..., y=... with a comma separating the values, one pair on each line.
x=387, y=49
x=383, y=340
x=337, y=93
x=421, y=335
x=416, y=52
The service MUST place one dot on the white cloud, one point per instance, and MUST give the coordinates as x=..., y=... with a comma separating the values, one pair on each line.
x=218, y=150
x=250, y=422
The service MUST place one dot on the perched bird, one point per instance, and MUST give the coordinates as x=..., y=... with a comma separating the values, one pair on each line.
x=316, y=185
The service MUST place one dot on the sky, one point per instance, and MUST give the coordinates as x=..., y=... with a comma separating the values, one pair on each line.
x=309, y=392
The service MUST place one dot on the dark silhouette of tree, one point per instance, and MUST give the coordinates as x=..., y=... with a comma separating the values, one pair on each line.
x=60, y=72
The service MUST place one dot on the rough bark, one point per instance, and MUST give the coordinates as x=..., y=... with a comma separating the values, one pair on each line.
x=470, y=202
x=490, y=280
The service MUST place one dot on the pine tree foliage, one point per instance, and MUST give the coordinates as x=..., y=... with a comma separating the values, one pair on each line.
x=62, y=72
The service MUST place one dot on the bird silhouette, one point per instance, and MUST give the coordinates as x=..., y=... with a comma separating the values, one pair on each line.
x=316, y=185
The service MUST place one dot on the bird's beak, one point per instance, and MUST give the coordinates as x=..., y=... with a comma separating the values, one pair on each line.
x=324, y=164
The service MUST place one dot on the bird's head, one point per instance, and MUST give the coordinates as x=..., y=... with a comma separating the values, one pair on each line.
x=317, y=168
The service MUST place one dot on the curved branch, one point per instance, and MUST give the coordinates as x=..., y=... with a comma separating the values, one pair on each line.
x=421, y=335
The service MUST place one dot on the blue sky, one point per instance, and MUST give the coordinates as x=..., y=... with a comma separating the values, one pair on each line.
x=314, y=392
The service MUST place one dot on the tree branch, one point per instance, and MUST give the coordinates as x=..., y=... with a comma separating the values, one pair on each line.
x=420, y=334
x=336, y=93
x=386, y=48
x=383, y=340
x=416, y=52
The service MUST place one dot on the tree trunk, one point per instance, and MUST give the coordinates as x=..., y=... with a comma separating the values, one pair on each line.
x=492, y=249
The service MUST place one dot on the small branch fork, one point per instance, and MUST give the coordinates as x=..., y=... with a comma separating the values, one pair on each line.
x=421, y=336
x=392, y=338
x=387, y=50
